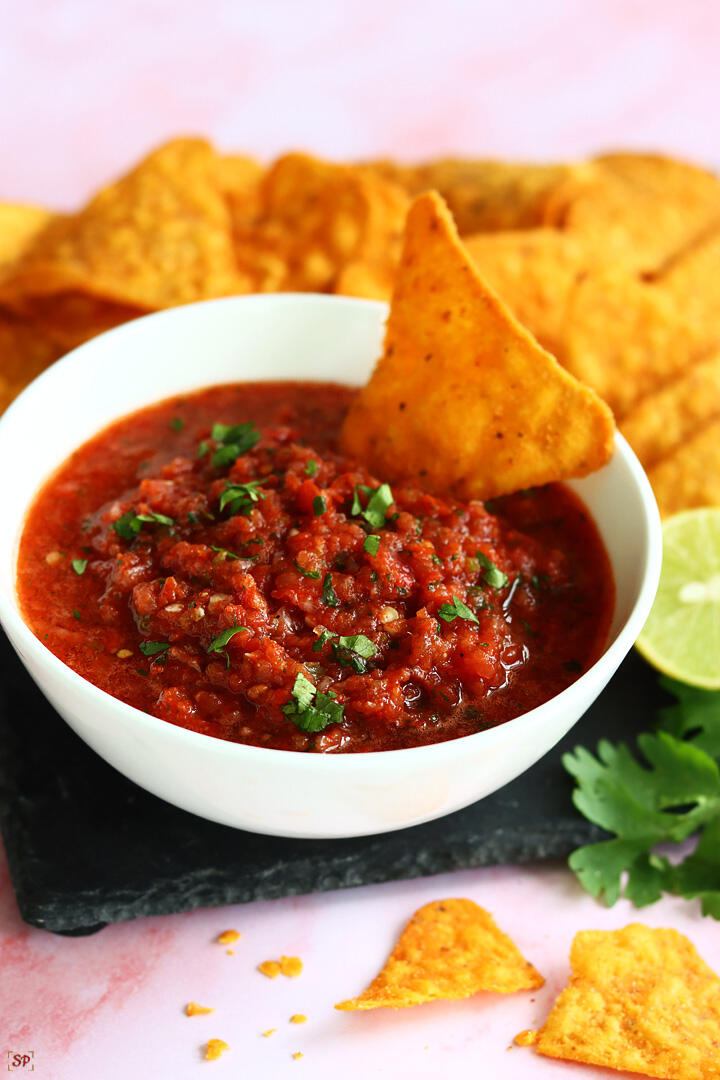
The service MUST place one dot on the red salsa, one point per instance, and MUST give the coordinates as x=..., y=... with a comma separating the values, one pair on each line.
x=213, y=561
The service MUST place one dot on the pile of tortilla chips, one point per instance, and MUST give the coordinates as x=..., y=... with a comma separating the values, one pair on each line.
x=612, y=264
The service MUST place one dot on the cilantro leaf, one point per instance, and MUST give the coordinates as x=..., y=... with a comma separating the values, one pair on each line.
x=310, y=709
x=129, y=525
x=177, y=423
x=354, y=651
x=696, y=713
x=315, y=574
x=79, y=566
x=371, y=544
x=380, y=500
x=219, y=643
x=665, y=801
x=311, y=468
x=240, y=498
x=457, y=610
x=234, y=440
x=329, y=596
x=153, y=648
x=319, y=506
x=492, y=575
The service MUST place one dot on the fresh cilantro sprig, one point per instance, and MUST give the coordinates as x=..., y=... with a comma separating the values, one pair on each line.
x=457, y=610
x=219, y=644
x=240, y=498
x=379, y=501
x=233, y=441
x=492, y=574
x=310, y=709
x=129, y=525
x=674, y=793
x=352, y=650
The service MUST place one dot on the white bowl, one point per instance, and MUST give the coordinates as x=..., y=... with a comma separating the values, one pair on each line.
x=274, y=791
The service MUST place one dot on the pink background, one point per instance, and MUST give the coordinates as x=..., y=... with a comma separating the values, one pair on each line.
x=86, y=88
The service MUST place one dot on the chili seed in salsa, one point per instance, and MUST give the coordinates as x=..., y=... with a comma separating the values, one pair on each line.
x=212, y=560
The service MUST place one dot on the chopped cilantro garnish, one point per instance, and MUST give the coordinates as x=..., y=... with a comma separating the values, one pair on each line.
x=380, y=500
x=319, y=505
x=142, y=671
x=230, y=554
x=329, y=596
x=203, y=448
x=493, y=575
x=436, y=559
x=457, y=610
x=239, y=498
x=177, y=423
x=371, y=544
x=219, y=643
x=77, y=615
x=234, y=441
x=311, y=468
x=324, y=636
x=79, y=566
x=153, y=648
x=309, y=709
x=374, y=576
x=315, y=574
x=129, y=525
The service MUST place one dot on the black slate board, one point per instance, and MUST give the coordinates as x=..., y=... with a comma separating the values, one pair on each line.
x=87, y=847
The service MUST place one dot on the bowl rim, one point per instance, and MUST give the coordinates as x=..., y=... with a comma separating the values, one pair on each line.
x=17, y=628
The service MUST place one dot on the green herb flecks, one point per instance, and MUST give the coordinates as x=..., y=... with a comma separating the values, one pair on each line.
x=354, y=651
x=129, y=525
x=492, y=576
x=319, y=506
x=329, y=596
x=177, y=423
x=379, y=501
x=371, y=544
x=311, y=468
x=230, y=555
x=240, y=498
x=234, y=440
x=219, y=644
x=314, y=574
x=153, y=648
x=457, y=610
x=79, y=566
x=309, y=709
x=674, y=793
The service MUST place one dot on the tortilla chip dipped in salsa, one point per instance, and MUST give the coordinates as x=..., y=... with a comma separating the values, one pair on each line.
x=463, y=398
x=450, y=949
x=639, y=999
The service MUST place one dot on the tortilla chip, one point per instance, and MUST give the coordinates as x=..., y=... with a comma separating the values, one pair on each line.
x=24, y=353
x=691, y=280
x=640, y=208
x=19, y=225
x=638, y=999
x=464, y=399
x=317, y=217
x=669, y=417
x=690, y=475
x=533, y=272
x=626, y=338
x=160, y=236
x=489, y=196
x=369, y=281
x=450, y=949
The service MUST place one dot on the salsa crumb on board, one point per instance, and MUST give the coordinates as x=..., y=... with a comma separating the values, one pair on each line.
x=213, y=561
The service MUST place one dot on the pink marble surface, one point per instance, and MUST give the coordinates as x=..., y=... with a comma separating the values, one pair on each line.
x=87, y=87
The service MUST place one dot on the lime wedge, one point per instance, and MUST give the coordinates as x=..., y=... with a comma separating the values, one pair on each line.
x=682, y=634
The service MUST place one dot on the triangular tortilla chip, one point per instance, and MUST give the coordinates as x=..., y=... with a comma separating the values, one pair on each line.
x=160, y=236
x=638, y=999
x=449, y=949
x=464, y=399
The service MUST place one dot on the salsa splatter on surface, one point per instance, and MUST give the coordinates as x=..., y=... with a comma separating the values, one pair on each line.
x=213, y=561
